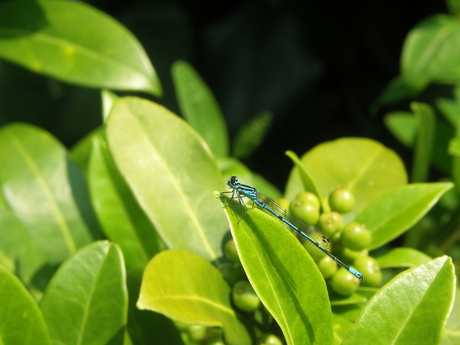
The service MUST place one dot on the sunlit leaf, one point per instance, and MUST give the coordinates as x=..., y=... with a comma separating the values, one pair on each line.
x=402, y=310
x=172, y=174
x=171, y=286
x=86, y=301
x=283, y=274
x=21, y=321
x=76, y=43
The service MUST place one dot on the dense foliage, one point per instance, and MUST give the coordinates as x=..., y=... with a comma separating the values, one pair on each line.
x=128, y=238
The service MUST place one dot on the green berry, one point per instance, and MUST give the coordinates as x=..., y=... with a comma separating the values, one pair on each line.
x=231, y=252
x=283, y=202
x=269, y=339
x=344, y=283
x=370, y=269
x=197, y=332
x=356, y=236
x=327, y=267
x=330, y=223
x=308, y=197
x=306, y=210
x=232, y=272
x=244, y=297
x=341, y=200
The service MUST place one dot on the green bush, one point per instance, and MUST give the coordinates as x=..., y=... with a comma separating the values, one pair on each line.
x=122, y=239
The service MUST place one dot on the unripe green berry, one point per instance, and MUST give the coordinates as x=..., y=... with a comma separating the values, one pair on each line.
x=231, y=252
x=356, y=236
x=283, y=202
x=327, y=266
x=269, y=339
x=330, y=223
x=197, y=332
x=244, y=297
x=306, y=210
x=341, y=200
x=308, y=197
x=369, y=267
x=344, y=283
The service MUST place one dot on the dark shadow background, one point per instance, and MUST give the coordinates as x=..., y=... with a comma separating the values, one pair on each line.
x=318, y=66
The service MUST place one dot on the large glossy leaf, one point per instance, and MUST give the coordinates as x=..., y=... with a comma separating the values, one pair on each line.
x=172, y=174
x=21, y=321
x=86, y=301
x=410, y=309
x=431, y=52
x=46, y=191
x=121, y=218
x=186, y=288
x=364, y=166
x=283, y=274
x=397, y=211
x=76, y=43
x=200, y=108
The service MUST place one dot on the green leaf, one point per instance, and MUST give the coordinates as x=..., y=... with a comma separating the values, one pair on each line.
x=452, y=330
x=403, y=125
x=394, y=213
x=454, y=7
x=341, y=327
x=76, y=43
x=401, y=257
x=140, y=322
x=21, y=321
x=251, y=135
x=200, y=108
x=450, y=110
x=46, y=191
x=307, y=181
x=172, y=286
x=86, y=301
x=171, y=172
x=411, y=309
x=367, y=168
x=395, y=91
x=425, y=140
x=431, y=52
x=283, y=274
x=121, y=218
x=18, y=251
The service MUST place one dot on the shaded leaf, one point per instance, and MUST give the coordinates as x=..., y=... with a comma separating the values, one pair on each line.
x=401, y=257
x=121, y=218
x=307, y=181
x=170, y=286
x=46, y=191
x=199, y=107
x=76, y=43
x=171, y=172
x=283, y=274
x=400, y=312
x=403, y=125
x=397, y=211
x=86, y=301
x=21, y=321
x=431, y=52
x=424, y=143
x=251, y=134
